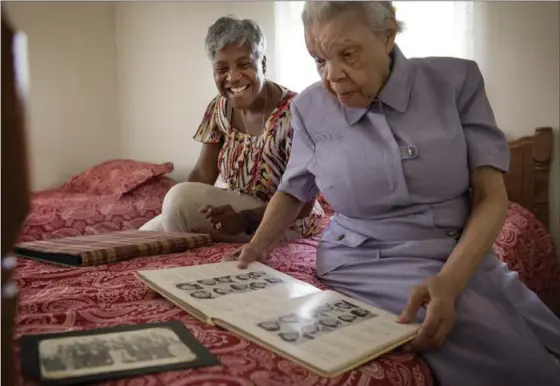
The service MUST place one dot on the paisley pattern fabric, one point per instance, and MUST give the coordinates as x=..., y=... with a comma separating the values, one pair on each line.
x=250, y=164
x=56, y=214
x=60, y=299
x=527, y=247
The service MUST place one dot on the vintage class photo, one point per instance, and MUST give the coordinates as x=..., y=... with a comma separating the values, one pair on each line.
x=94, y=354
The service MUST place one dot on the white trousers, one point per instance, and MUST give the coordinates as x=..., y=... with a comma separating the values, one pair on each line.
x=181, y=205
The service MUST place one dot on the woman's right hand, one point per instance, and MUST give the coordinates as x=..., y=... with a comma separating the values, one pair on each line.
x=247, y=254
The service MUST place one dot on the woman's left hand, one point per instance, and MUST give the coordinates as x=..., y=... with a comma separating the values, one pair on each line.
x=438, y=295
x=225, y=219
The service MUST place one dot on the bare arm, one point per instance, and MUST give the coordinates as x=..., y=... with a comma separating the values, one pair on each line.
x=254, y=217
x=281, y=211
x=206, y=169
x=485, y=222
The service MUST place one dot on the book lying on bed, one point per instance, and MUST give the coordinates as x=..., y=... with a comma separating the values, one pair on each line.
x=324, y=331
x=110, y=248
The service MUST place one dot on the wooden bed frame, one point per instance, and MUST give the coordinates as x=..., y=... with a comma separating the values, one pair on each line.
x=528, y=178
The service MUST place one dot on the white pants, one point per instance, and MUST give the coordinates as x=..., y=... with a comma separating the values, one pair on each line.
x=181, y=205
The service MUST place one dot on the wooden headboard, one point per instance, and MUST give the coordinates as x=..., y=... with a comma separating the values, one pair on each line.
x=528, y=178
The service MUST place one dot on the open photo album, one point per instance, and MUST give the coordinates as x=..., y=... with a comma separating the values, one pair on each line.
x=325, y=331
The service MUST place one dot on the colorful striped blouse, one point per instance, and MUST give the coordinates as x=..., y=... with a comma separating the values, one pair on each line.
x=254, y=164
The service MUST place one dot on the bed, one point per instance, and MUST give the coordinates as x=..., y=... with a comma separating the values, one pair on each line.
x=115, y=195
x=57, y=299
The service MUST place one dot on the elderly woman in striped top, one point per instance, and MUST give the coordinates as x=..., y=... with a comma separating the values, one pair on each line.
x=247, y=137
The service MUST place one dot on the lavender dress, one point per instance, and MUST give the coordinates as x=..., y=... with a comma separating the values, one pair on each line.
x=397, y=175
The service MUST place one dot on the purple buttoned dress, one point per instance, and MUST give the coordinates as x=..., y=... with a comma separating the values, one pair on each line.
x=397, y=175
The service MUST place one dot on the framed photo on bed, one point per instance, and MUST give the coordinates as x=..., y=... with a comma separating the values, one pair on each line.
x=108, y=353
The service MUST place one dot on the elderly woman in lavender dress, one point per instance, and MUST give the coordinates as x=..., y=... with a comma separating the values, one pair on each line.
x=408, y=153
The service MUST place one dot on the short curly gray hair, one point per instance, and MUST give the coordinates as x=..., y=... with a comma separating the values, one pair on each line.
x=232, y=30
x=375, y=13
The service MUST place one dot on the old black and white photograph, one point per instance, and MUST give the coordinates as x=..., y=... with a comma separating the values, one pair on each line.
x=204, y=295
x=213, y=288
x=189, y=287
x=298, y=328
x=94, y=354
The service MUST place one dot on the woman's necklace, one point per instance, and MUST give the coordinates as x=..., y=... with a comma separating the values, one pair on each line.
x=262, y=128
x=236, y=175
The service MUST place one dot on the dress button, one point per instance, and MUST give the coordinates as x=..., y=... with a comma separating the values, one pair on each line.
x=411, y=151
x=452, y=233
x=340, y=237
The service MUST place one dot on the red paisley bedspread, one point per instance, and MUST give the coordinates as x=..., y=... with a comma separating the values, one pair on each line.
x=527, y=247
x=55, y=214
x=59, y=299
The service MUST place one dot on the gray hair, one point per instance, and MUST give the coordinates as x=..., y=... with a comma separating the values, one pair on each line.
x=375, y=13
x=231, y=30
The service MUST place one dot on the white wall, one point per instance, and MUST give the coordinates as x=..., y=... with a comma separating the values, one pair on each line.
x=518, y=48
x=72, y=118
x=165, y=79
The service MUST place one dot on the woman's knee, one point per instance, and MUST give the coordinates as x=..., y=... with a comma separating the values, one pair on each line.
x=183, y=195
x=181, y=205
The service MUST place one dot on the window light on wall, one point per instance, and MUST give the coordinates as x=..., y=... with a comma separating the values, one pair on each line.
x=21, y=63
x=432, y=28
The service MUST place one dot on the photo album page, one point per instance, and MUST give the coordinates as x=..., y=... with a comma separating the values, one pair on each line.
x=324, y=331
x=215, y=291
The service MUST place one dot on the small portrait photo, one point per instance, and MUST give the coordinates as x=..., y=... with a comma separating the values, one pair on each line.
x=270, y=325
x=240, y=287
x=273, y=280
x=343, y=304
x=329, y=323
x=224, y=280
x=289, y=336
x=256, y=275
x=360, y=312
x=208, y=282
x=310, y=330
x=291, y=318
x=222, y=290
x=203, y=295
x=347, y=318
x=324, y=309
x=257, y=285
x=189, y=287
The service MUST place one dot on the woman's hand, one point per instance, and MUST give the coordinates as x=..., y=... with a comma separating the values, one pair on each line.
x=225, y=219
x=247, y=254
x=438, y=295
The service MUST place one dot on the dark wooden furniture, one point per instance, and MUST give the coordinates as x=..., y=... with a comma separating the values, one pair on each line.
x=527, y=182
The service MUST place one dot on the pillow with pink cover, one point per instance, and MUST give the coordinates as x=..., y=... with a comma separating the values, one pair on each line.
x=115, y=177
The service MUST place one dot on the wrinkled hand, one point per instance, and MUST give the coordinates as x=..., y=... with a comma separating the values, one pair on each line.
x=247, y=254
x=225, y=219
x=438, y=295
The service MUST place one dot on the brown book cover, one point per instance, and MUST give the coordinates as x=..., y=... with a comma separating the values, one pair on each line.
x=108, y=248
x=325, y=331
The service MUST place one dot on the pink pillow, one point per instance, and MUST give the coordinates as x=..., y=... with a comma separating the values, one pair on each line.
x=115, y=177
